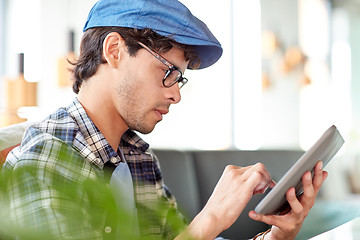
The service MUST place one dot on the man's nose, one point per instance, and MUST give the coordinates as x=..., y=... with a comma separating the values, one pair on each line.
x=173, y=93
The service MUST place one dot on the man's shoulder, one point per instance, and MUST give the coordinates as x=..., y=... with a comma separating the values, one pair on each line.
x=46, y=139
x=46, y=153
x=60, y=125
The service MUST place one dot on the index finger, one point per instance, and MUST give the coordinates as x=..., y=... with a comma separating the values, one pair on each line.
x=264, y=177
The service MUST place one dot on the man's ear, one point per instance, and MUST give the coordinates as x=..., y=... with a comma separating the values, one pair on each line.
x=113, y=47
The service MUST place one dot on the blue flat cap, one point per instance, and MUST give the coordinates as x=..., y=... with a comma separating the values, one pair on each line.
x=166, y=17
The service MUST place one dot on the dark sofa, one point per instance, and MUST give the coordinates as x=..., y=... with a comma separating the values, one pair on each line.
x=192, y=176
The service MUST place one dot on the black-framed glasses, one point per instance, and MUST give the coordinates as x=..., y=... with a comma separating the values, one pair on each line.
x=173, y=75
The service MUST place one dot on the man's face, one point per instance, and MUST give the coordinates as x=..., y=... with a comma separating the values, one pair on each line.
x=139, y=94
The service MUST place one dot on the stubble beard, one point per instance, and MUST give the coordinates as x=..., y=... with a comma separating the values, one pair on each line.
x=132, y=112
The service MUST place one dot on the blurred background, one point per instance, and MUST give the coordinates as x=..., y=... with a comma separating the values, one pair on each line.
x=287, y=73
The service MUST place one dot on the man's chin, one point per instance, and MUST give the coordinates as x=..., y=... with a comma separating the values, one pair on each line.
x=144, y=130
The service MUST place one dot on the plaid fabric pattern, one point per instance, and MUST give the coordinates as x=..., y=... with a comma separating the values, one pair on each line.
x=69, y=145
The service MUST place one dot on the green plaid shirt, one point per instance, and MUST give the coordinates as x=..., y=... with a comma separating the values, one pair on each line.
x=67, y=149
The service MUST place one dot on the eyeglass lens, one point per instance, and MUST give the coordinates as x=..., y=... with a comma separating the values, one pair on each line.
x=173, y=77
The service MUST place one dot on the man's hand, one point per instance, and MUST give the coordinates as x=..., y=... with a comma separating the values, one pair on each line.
x=232, y=193
x=287, y=225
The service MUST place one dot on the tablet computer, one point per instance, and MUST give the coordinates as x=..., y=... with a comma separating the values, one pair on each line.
x=323, y=150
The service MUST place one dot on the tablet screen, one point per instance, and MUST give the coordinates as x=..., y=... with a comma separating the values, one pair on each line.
x=323, y=150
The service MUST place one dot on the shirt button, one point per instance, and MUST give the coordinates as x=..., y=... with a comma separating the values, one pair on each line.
x=113, y=160
x=108, y=229
x=131, y=152
x=98, y=160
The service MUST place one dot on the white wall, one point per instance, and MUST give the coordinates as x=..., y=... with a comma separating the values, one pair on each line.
x=2, y=34
x=2, y=43
x=280, y=102
x=42, y=34
x=58, y=17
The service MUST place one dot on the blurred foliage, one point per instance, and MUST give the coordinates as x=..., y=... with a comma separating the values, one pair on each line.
x=86, y=208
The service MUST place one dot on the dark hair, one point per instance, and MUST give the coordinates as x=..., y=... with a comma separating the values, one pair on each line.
x=91, y=49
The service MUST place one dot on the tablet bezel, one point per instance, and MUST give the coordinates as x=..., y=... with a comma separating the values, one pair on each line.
x=323, y=150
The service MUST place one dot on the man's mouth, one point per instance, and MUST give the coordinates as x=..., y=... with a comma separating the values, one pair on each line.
x=161, y=112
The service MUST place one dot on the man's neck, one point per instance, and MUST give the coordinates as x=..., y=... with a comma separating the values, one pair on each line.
x=106, y=119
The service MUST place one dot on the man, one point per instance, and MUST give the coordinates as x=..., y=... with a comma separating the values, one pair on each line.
x=130, y=70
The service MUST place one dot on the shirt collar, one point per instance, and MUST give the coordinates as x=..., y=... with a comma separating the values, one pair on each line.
x=92, y=135
x=131, y=140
